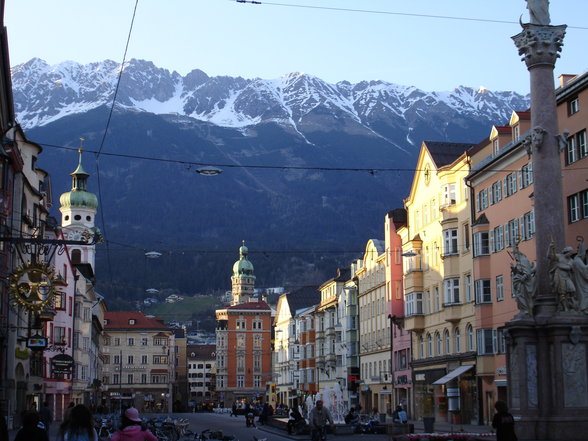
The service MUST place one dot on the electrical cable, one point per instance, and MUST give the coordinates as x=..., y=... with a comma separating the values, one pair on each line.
x=270, y=167
x=401, y=14
x=97, y=154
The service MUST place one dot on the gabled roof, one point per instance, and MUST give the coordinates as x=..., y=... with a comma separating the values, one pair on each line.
x=303, y=298
x=343, y=275
x=251, y=306
x=444, y=153
x=120, y=320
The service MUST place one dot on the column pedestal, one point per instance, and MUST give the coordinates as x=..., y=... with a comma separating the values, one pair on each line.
x=548, y=376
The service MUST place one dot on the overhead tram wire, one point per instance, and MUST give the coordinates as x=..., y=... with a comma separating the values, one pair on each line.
x=268, y=167
x=97, y=154
x=401, y=14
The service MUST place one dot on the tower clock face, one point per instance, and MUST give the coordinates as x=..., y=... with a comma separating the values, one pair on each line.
x=75, y=235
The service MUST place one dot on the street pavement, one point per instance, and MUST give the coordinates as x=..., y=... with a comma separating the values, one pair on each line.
x=235, y=426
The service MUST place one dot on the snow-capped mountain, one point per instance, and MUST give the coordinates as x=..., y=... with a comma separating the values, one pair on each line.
x=299, y=102
x=296, y=120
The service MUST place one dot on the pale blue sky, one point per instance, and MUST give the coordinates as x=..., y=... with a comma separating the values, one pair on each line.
x=222, y=37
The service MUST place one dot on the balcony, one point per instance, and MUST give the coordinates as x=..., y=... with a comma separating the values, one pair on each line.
x=414, y=323
x=413, y=281
x=452, y=312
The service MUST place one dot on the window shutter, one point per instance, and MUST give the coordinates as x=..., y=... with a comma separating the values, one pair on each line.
x=520, y=178
x=477, y=202
x=516, y=231
x=491, y=241
x=506, y=236
x=530, y=172
x=532, y=222
x=522, y=227
x=505, y=187
x=494, y=341
x=491, y=196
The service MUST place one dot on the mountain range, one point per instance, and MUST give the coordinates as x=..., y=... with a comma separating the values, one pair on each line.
x=309, y=168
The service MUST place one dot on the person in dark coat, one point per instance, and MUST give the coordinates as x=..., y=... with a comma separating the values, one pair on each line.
x=503, y=422
x=46, y=415
x=30, y=430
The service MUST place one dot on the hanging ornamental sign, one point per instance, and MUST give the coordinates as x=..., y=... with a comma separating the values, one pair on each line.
x=32, y=286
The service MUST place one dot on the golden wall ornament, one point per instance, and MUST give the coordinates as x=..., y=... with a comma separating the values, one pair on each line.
x=32, y=286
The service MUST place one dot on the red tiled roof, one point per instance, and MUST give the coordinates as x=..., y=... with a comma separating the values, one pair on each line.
x=120, y=320
x=523, y=114
x=251, y=305
x=503, y=130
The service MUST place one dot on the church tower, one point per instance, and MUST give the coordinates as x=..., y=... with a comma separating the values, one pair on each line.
x=78, y=211
x=243, y=279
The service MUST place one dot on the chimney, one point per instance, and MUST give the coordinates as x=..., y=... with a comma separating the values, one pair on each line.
x=564, y=79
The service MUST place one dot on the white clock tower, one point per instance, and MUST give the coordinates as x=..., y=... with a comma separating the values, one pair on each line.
x=78, y=211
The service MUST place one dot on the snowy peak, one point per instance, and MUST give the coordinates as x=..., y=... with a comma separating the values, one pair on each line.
x=45, y=93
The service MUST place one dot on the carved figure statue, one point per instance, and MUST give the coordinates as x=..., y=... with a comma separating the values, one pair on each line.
x=580, y=276
x=560, y=273
x=523, y=281
x=562, y=140
x=539, y=12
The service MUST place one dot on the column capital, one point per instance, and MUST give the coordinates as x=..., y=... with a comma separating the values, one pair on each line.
x=540, y=44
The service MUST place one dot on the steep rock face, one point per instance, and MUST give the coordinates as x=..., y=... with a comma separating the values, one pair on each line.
x=293, y=121
x=45, y=93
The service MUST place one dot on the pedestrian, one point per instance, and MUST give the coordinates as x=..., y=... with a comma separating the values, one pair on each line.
x=319, y=417
x=46, y=415
x=79, y=426
x=3, y=426
x=234, y=409
x=30, y=430
x=503, y=422
x=132, y=429
x=68, y=411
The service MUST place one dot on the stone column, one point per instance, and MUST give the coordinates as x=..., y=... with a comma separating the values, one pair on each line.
x=540, y=44
x=547, y=348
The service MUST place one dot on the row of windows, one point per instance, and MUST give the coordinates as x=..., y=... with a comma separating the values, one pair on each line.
x=155, y=379
x=199, y=365
x=578, y=206
x=489, y=342
x=157, y=359
x=200, y=384
x=504, y=236
x=441, y=346
x=131, y=341
x=576, y=148
x=504, y=188
x=221, y=381
x=423, y=303
x=199, y=375
x=241, y=323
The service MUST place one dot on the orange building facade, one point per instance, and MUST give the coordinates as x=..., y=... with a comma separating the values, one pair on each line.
x=503, y=218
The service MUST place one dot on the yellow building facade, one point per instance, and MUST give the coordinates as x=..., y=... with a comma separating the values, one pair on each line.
x=438, y=288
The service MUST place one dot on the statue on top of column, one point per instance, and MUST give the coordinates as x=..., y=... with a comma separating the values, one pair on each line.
x=523, y=281
x=539, y=12
x=580, y=275
x=560, y=273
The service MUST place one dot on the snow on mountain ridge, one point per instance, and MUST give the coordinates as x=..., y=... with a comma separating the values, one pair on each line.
x=45, y=93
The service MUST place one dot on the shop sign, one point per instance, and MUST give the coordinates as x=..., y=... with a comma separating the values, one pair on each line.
x=37, y=342
x=21, y=354
x=501, y=370
x=32, y=286
x=62, y=364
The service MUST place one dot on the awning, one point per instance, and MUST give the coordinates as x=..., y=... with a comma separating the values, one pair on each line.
x=454, y=373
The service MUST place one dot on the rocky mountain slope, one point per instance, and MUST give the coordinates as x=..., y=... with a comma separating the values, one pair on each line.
x=303, y=222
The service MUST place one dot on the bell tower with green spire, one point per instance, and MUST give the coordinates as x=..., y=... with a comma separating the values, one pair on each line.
x=243, y=279
x=78, y=211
